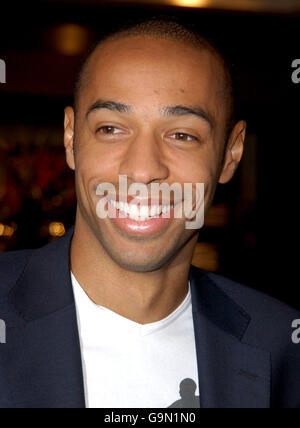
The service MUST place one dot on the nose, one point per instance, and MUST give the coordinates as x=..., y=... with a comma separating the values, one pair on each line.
x=144, y=161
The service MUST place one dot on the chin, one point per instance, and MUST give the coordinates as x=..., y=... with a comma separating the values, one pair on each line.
x=141, y=255
x=139, y=261
x=143, y=265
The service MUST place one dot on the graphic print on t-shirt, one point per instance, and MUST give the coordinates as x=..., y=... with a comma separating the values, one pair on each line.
x=188, y=398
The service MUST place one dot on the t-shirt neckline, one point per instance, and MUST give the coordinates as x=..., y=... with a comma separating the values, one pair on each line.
x=143, y=329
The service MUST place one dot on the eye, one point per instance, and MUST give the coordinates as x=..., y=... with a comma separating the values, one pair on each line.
x=108, y=130
x=182, y=136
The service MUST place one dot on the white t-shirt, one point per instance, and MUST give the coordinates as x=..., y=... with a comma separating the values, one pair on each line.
x=126, y=364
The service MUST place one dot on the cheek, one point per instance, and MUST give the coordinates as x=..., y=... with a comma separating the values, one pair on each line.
x=200, y=168
x=90, y=171
x=95, y=163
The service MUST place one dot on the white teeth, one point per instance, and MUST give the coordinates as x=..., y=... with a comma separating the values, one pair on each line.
x=122, y=206
x=113, y=203
x=132, y=211
x=144, y=211
x=141, y=213
x=153, y=210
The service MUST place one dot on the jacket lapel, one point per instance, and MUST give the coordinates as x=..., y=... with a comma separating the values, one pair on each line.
x=232, y=374
x=43, y=348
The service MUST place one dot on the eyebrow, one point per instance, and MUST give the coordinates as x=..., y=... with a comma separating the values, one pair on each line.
x=178, y=110
x=186, y=110
x=109, y=105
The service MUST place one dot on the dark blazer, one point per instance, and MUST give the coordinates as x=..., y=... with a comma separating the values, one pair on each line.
x=245, y=355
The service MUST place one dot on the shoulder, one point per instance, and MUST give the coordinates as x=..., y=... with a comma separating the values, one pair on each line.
x=253, y=301
x=273, y=327
x=12, y=264
x=272, y=322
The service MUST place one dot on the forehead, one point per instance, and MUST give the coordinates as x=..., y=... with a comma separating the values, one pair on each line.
x=144, y=69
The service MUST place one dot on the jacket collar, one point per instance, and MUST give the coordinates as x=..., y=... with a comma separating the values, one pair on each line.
x=211, y=301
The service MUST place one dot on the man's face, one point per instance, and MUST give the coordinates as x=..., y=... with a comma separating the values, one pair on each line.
x=146, y=138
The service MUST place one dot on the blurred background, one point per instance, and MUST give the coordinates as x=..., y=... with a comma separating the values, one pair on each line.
x=251, y=232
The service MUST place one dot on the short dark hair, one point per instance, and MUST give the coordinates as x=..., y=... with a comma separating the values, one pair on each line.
x=169, y=29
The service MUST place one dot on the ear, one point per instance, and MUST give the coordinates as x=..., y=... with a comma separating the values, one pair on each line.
x=69, y=136
x=234, y=152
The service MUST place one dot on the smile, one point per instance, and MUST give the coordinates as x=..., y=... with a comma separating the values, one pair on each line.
x=140, y=219
x=141, y=212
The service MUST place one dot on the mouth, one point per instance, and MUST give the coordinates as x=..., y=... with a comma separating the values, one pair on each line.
x=141, y=219
x=142, y=212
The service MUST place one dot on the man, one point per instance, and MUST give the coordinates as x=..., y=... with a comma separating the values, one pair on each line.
x=113, y=314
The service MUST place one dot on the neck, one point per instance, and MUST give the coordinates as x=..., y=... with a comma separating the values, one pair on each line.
x=141, y=297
